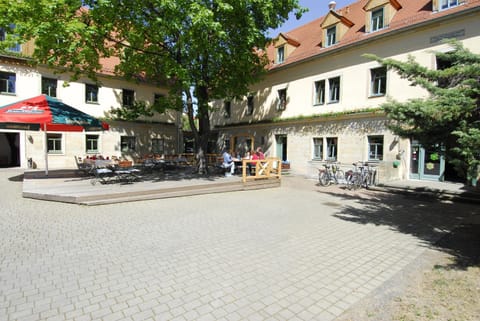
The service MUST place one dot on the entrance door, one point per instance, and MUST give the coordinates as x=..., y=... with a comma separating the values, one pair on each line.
x=9, y=149
x=426, y=164
x=281, y=141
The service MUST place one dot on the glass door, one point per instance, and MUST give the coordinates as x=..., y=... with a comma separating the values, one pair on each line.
x=426, y=164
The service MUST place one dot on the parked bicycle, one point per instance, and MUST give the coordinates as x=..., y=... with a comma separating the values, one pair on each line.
x=331, y=174
x=363, y=175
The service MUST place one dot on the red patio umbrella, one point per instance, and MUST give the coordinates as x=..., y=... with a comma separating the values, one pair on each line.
x=48, y=114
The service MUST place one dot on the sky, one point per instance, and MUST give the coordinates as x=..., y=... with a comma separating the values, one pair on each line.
x=317, y=8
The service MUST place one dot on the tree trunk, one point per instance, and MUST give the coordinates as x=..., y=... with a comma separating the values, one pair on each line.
x=204, y=129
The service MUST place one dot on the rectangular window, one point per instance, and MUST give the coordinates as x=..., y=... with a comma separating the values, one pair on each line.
x=3, y=37
x=49, y=87
x=319, y=96
x=377, y=20
x=334, y=90
x=128, y=97
x=375, y=148
x=91, y=143
x=158, y=146
x=280, y=54
x=227, y=108
x=157, y=98
x=7, y=82
x=91, y=93
x=331, y=38
x=332, y=148
x=127, y=143
x=378, y=86
x=282, y=99
x=318, y=148
x=444, y=63
x=445, y=4
x=54, y=143
x=250, y=105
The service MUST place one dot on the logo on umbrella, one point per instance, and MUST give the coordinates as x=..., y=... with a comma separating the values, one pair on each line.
x=26, y=110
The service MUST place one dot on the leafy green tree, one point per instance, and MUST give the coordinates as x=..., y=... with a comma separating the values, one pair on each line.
x=450, y=115
x=215, y=47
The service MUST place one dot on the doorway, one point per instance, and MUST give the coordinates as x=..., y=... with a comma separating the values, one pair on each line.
x=426, y=164
x=281, y=142
x=9, y=149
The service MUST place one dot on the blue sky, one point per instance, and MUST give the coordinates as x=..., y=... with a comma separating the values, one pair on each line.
x=317, y=8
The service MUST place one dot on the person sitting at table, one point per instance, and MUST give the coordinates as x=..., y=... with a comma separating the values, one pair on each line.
x=228, y=163
x=260, y=153
x=251, y=166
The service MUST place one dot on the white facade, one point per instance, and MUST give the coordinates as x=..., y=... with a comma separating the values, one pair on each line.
x=161, y=130
x=294, y=132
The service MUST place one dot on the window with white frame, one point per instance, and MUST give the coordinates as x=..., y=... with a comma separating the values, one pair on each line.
x=378, y=81
x=334, y=90
x=91, y=93
x=227, y=108
x=317, y=148
x=128, y=97
x=49, y=86
x=7, y=82
x=280, y=54
x=319, y=95
x=3, y=37
x=446, y=4
x=375, y=148
x=377, y=22
x=91, y=143
x=127, y=143
x=250, y=105
x=331, y=37
x=158, y=146
x=332, y=148
x=54, y=143
x=282, y=99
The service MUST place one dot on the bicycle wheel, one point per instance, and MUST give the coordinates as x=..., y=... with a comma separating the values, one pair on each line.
x=323, y=178
x=357, y=181
x=373, y=177
x=350, y=180
x=339, y=177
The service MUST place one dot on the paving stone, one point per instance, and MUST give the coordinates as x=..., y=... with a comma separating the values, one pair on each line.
x=197, y=257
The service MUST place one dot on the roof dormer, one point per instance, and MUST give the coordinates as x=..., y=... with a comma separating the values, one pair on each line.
x=284, y=46
x=380, y=13
x=334, y=27
x=439, y=5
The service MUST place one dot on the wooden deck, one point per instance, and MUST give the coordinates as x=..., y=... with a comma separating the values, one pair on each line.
x=68, y=187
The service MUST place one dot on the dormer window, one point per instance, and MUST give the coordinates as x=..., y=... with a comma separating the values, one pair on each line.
x=379, y=14
x=377, y=22
x=284, y=46
x=280, y=54
x=331, y=37
x=334, y=27
x=445, y=4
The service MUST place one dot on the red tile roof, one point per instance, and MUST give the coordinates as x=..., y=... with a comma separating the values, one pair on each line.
x=309, y=36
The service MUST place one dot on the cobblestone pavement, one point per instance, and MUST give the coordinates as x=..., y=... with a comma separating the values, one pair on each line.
x=299, y=252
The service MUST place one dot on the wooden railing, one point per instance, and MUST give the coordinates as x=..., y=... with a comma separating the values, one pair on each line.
x=271, y=167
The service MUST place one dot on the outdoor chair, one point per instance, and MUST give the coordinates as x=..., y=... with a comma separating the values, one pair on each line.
x=85, y=168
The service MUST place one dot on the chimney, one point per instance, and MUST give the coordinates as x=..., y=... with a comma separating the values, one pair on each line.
x=331, y=5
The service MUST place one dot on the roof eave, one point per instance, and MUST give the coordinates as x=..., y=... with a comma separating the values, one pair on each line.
x=378, y=37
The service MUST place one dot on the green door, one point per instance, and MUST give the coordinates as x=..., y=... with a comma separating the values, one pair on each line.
x=426, y=164
x=281, y=149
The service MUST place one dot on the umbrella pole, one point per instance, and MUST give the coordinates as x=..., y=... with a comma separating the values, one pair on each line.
x=46, y=148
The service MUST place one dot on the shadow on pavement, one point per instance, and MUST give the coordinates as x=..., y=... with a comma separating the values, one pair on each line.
x=446, y=226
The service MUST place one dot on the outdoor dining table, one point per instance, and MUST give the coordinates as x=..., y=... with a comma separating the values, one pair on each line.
x=100, y=163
